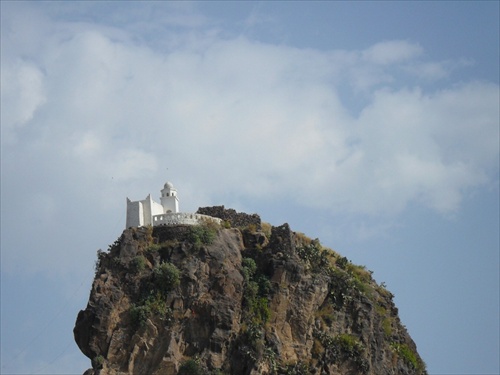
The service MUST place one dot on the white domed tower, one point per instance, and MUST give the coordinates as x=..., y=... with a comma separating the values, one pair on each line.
x=169, y=199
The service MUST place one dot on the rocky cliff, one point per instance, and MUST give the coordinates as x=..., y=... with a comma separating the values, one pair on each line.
x=254, y=300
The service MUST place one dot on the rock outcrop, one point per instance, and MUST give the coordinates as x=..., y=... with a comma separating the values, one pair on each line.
x=235, y=219
x=213, y=300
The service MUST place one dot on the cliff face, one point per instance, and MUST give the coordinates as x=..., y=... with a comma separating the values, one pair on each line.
x=212, y=300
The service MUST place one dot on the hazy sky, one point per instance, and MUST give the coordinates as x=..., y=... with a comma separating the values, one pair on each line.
x=373, y=126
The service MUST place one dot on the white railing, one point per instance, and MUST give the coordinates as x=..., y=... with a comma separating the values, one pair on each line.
x=182, y=218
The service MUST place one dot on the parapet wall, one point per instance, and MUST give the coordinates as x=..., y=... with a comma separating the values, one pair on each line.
x=237, y=219
x=178, y=218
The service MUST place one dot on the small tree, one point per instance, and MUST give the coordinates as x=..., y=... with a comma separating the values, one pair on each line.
x=166, y=277
x=138, y=263
x=190, y=367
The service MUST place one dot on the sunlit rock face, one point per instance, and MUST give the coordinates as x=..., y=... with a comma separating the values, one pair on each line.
x=216, y=299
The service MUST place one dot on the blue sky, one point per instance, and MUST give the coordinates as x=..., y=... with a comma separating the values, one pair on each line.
x=373, y=126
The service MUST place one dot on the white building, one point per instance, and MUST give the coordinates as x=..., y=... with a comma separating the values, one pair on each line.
x=149, y=212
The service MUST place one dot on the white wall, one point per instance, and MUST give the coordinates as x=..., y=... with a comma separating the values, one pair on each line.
x=182, y=218
x=135, y=215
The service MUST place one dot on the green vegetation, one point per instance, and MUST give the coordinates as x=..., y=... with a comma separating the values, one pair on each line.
x=97, y=362
x=313, y=255
x=348, y=281
x=114, y=245
x=257, y=288
x=298, y=368
x=267, y=229
x=326, y=313
x=256, y=310
x=154, y=305
x=341, y=287
x=386, y=320
x=301, y=239
x=164, y=249
x=259, y=309
x=342, y=262
x=101, y=255
x=252, y=340
x=249, y=268
x=343, y=347
x=153, y=247
x=272, y=359
x=349, y=345
x=387, y=327
x=360, y=273
x=139, y=315
x=382, y=291
x=190, y=367
x=252, y=228
x=409, y=356
x=166, y=277
x=138, y=264
x=203, y=234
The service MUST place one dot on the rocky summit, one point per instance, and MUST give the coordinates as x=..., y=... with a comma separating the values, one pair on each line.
x=238, y=298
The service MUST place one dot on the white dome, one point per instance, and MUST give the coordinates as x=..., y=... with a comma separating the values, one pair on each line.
x=168, y=185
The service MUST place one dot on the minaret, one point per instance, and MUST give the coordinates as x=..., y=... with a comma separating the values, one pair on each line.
x=169, y=199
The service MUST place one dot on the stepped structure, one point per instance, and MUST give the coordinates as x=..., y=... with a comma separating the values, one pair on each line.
x=148, y=212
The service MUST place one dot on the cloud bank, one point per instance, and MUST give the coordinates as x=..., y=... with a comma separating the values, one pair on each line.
x=351, y=132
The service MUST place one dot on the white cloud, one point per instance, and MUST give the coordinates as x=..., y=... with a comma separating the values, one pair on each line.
x=411, y=137
x=22, y=92
x=236, y=118
x=435, y=70
x=430, y=70
x=392, y=52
